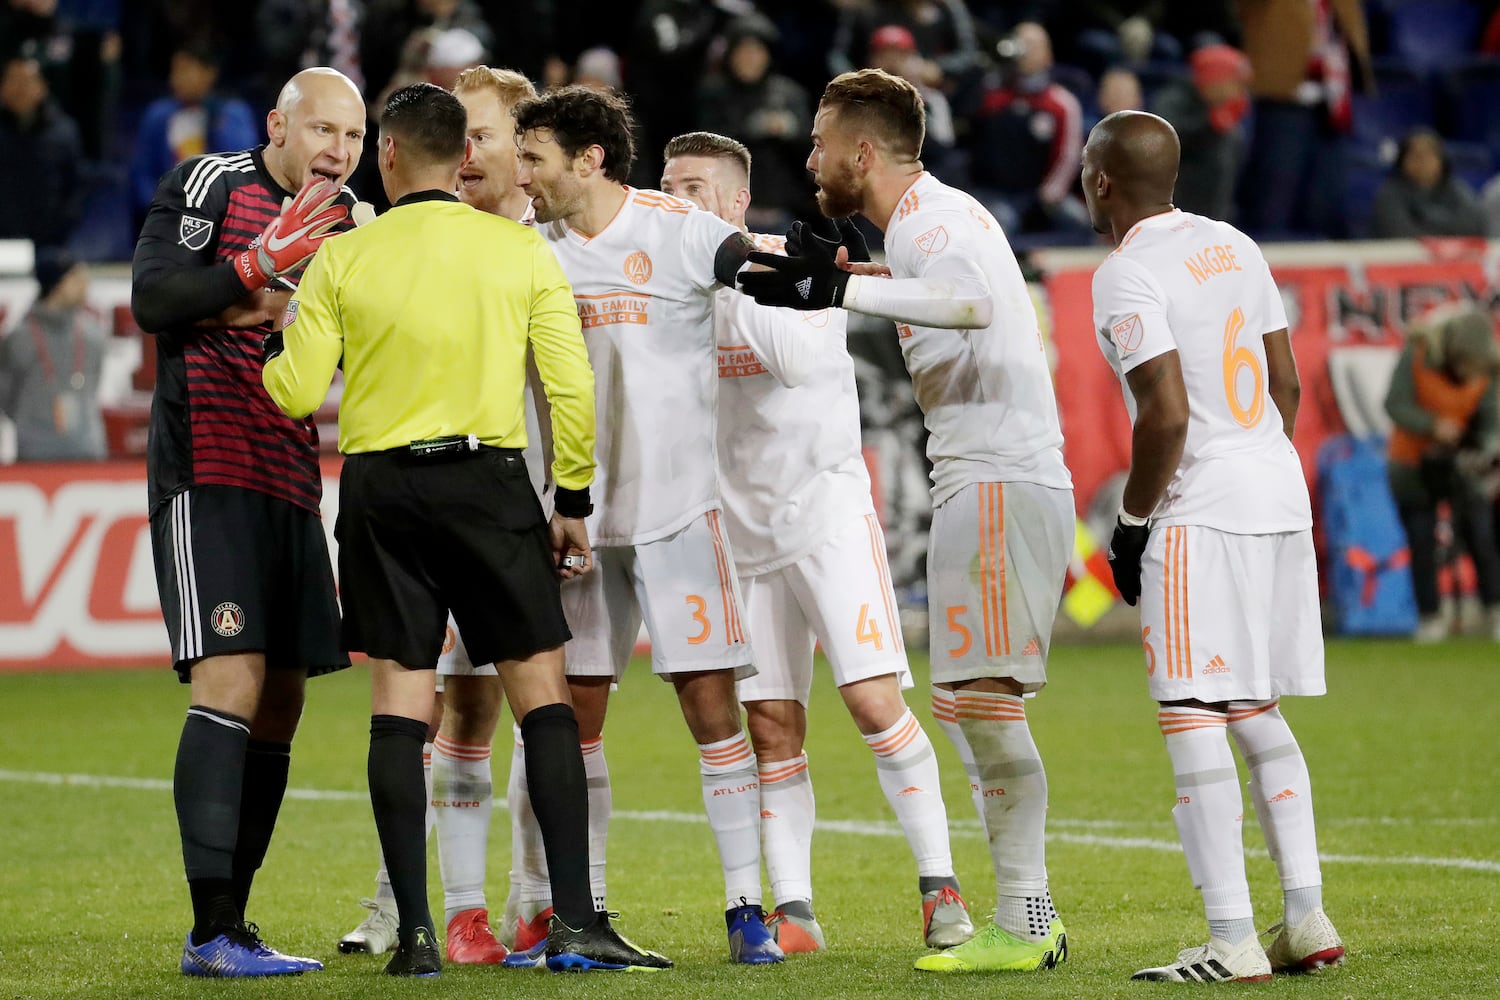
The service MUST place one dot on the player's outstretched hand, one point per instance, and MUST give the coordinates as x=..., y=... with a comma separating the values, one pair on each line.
x=829, y=233
x=810, y=281
x=1125, y=549
x=570, y=546
x=294, y=235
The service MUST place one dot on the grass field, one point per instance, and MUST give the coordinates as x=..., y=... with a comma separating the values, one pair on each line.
x=1404, y=756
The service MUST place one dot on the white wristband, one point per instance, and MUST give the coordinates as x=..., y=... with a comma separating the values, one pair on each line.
x=1130, y=520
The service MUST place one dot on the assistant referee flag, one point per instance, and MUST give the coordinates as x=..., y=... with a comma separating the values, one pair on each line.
x=396, y=297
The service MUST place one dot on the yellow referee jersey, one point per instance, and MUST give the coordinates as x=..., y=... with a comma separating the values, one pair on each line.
x=431, y=307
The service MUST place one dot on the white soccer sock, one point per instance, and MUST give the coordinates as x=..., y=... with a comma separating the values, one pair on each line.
x=427, y=778
x=945, y=713
x=1013, y=787
x=731, y=795
x=1281, y=790
x=1209, y=815
x=787, y=811
x=463, y=797
x=601, y=804
x=529, y=879
x=908, y=771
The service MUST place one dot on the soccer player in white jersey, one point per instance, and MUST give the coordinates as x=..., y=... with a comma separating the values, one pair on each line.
x=644, y=268
x=1002, y=527
x=1214, y=539
x=470, y=695
x=812, y=567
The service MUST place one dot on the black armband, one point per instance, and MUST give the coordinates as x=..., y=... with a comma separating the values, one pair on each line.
x=572, y=503
x=730, y=257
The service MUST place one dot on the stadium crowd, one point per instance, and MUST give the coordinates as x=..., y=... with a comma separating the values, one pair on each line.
x=1291, y=112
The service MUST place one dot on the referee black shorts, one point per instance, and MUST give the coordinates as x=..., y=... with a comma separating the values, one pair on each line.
x=240, y=571
x=420, y=536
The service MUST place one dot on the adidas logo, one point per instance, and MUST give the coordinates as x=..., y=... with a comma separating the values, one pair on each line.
x=768, y=814
x=909, y=790
x=804, y=287
x=1033, y=648
x=1282, y=796
x=1216, y=666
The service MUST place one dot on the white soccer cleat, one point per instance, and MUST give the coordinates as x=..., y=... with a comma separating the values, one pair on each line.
x=1215, y=962
x=376, y=934
x=1307, y=947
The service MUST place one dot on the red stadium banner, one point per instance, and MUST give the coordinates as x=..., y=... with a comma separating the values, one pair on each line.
x=1331, y=307
x=77, y=587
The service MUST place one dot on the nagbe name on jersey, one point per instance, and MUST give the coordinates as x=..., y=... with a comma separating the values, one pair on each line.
x=609, y=310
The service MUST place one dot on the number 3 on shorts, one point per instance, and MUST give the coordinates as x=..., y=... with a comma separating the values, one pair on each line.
x=698, y=605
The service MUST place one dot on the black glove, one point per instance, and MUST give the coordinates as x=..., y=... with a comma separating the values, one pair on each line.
x=838, y=233
x=1125, y=548
x=811, y=281
x=272, y=344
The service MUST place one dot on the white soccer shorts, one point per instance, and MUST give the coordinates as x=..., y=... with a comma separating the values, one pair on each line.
x=997, y=558
x=683, y=587
x=839, y=595
x=454, y=660
x=1229, y=617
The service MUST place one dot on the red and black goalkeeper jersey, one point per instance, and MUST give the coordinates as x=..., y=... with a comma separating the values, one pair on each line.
x=211, y=420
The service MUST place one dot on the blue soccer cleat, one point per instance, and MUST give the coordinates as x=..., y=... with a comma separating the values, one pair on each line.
x=533, y=958
x=750, y=940
x=597, y=948
x=237, y=953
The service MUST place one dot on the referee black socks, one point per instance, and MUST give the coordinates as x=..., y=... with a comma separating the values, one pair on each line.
x=398, y=795
x=559, y=798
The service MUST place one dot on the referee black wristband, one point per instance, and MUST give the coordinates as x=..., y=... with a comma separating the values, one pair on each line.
x=572, y=503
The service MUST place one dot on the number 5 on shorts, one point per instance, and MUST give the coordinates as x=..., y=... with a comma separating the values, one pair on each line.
x=958, y=628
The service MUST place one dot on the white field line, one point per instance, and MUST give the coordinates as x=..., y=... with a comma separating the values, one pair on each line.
x=864, y=828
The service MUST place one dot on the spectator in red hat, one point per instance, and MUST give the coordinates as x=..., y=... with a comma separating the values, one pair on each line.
x=893, y=48
x=1207, y=111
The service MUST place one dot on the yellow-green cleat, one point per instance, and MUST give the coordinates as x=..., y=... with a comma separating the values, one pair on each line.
x=994, y=949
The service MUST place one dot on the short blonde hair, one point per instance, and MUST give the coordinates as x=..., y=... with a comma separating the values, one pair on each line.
x=511, y=87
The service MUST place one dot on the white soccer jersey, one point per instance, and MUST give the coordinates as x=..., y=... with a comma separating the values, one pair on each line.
x=791, y=467
x=1186, y=283
x=986, y=394
x=644, y=288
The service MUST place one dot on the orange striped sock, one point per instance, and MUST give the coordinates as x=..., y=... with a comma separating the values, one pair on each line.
x=787, y=814
x=731, y=796
x=908, y=772
x=1013, y=786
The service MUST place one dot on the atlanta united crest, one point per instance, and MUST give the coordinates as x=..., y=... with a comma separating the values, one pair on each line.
x=228, y=619
x=193, y=232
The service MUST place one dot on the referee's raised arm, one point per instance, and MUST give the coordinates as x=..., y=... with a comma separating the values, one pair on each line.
x=432, y=306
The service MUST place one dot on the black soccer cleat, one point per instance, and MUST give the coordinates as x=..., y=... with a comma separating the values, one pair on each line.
x=597, y=948
x=416, y=955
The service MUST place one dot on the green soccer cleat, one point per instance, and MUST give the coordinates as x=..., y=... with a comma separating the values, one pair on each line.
x=994, y=949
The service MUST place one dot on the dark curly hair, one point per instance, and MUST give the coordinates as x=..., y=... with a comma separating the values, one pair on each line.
x=579, y=118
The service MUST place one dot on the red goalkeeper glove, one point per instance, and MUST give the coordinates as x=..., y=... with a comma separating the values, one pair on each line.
x=294, y=235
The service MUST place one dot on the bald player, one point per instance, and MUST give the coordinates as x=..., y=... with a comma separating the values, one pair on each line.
x=1213, y=540
x=234, y=488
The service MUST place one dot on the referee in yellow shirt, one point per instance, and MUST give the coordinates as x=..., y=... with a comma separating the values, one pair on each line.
x=431, y=308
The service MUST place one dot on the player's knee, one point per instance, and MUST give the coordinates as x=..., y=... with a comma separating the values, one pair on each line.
x=875, y=704
x=772, y=732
